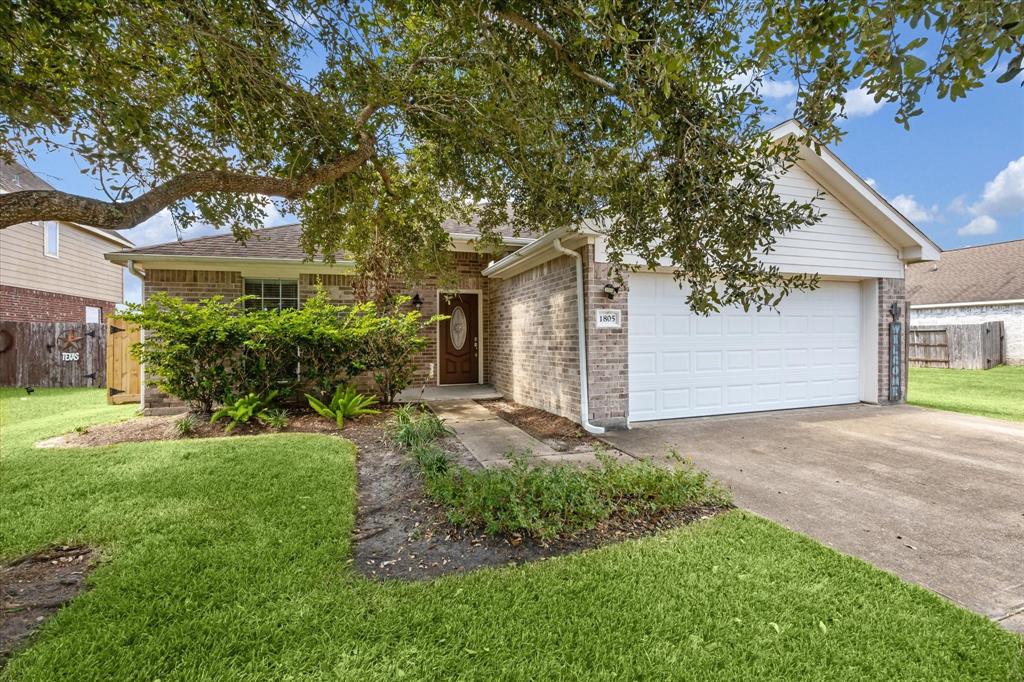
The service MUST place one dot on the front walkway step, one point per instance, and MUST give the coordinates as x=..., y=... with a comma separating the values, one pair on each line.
x=487, y=436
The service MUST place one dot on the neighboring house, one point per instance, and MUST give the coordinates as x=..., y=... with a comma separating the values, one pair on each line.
x=517, y=319
x=55, y=271
x=972, y=285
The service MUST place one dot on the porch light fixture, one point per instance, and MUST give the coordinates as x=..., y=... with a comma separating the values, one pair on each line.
x=417, y=302
x=610, y=289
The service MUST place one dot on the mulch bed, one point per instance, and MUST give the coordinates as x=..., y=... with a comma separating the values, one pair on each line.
x=143, y=429
x=559, y=433
x=401, y=533
x=34, y=587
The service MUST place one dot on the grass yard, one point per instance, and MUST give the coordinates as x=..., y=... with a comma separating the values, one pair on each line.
x=996, y=392
x=227, y=559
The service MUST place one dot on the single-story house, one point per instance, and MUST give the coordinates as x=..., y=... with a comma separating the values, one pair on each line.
x=973, y=285
x=540, y=315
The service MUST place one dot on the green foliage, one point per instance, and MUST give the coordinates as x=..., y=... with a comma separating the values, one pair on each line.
x=243, y=410
x=207, y=352
x=346, y=403
x=274, y=417
x=186, y=426
x=547, y=501
x=377, y=121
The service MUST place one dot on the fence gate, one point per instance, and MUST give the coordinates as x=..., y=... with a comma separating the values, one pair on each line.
x=957, y=346
x=124, y=376
x=51, y=354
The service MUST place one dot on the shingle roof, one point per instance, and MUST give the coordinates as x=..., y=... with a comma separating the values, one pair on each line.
x=994, y=272
x=279, y=243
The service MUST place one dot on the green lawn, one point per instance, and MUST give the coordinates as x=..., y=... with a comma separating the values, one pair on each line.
x=996, y=392
x=228, y=559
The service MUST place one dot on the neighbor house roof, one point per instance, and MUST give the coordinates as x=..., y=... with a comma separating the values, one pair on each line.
x=976, y=274
x=14, y=178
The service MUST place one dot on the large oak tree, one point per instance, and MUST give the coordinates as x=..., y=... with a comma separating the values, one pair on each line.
x=375, y=121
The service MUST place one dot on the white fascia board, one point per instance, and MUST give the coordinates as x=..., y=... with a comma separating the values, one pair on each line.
x=966, y=304
x=852, y=190
x=537, y=252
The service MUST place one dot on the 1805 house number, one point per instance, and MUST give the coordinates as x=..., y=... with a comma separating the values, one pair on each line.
x=608, y=319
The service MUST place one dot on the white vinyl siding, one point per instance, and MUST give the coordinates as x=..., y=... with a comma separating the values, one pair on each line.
x=80, y=271
x=681, y=364
x=841, y=244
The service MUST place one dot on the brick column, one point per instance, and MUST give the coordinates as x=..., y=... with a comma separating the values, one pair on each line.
x=891, y=290
x=607, y=349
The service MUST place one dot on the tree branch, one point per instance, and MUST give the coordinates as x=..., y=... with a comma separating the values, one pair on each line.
x=552, y=42
x=33, y=205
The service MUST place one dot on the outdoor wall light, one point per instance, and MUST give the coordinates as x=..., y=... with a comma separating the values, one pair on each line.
x=417, y=302
x=610, y=289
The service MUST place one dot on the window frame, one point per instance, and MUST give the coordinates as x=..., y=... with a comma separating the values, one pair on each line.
x=56, y=239
x=261, y=303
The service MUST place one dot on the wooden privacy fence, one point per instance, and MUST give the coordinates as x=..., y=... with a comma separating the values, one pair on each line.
x=957, y=346
x=124, y=376
x=51, y=354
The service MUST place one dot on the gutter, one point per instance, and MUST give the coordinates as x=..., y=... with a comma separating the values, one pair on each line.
x=142, y=336
x=533, y=247
x=581, y=320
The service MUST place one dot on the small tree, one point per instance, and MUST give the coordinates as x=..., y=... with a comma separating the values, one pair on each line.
x=391, y=345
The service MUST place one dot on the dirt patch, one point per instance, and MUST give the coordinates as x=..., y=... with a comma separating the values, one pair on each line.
x=34, y=587
x=144, y=429
x=402, y=534
x=559, y=433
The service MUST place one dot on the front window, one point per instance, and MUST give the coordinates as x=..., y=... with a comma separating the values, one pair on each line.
x=51, y=229
x=272, y=294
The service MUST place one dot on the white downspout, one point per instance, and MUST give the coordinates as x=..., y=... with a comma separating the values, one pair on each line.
x=581, y=320
x=142, y=337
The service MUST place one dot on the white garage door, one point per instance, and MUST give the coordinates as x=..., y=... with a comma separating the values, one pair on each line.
x=686, y=365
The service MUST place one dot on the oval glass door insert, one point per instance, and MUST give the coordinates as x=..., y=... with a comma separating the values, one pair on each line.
x=457, y=328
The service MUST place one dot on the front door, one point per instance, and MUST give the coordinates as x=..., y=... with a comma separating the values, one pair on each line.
x=460, y=339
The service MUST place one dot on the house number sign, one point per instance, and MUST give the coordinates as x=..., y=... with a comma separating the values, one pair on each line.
x=608, y=319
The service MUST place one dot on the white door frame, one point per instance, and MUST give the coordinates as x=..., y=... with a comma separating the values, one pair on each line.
x=480, y=334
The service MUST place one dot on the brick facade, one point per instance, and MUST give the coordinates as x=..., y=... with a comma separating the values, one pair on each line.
x=607, y=349
x=18, y=304
x=531, y=338
x=890, y=291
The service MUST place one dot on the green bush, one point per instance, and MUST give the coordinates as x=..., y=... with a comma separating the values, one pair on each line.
x=244, y=410
x=187, y=426
x=345, y=404
x=207, y=352
x=547, y=501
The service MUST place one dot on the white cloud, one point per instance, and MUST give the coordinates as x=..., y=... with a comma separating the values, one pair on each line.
x=981, y=225
x=872, y=183
x=769, y=89
x=914, y=212
x=959, y=205
x=1005, y=192
x=859, y=102
x=160, y=228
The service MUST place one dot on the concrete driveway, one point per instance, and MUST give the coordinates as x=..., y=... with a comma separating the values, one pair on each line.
x=935, y=497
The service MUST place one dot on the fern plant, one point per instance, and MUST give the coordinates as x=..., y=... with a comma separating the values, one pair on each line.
x=345, y=404
x=243, y=410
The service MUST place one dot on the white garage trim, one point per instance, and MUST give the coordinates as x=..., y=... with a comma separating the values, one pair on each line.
x=810, y=352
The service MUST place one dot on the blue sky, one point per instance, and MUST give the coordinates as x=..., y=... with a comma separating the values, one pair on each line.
x=958, y=173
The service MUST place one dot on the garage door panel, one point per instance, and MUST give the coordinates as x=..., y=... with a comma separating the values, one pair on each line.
x=684, y=365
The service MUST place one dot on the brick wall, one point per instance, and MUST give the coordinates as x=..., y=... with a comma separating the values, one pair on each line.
x=29, y=305
x=193, y=285
x=607, y=349
x=531, y=340
x=891, y=291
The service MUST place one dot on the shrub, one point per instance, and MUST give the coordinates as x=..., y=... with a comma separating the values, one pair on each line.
x=547, y=501
x=206, y=352
x=345, y=404
x=187, y=426
x=243, y=410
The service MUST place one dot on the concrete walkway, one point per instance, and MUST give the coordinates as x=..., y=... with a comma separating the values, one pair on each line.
x=935, y=497
x=489, y=438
